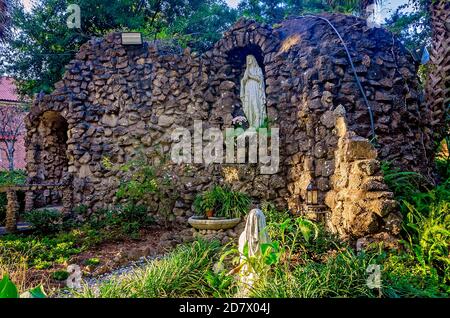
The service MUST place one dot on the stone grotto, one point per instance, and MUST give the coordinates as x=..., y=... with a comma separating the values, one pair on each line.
x=342, y=108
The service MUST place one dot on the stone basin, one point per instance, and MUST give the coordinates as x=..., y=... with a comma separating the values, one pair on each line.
x=201, y=223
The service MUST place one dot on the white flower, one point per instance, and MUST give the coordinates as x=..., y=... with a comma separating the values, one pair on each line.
x=239, y=120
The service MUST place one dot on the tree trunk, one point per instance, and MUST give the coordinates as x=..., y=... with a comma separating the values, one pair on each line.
x=438, y=84
x=10, y=150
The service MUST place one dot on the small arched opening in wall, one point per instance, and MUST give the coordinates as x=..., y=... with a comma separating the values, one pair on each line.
x=50, y=156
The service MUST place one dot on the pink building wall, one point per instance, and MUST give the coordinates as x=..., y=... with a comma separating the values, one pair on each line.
x=10, y=98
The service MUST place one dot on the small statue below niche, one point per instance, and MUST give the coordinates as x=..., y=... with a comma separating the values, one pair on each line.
x=253, y=96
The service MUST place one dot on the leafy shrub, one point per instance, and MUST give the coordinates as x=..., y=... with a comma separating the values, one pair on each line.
x=14, y=177
x=125, y=219
x=146, y=183
x=344, y=274
x=94, y=261
x=426, y=223
x=142, y=182
x=427, y=230
x=45, y=221
x=60, y=275
x=223, y=201
x=402, y=183
x=40, y=252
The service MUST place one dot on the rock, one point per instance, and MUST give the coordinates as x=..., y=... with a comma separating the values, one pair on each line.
x=165, y=121
x=85, y=158
x=360, y=148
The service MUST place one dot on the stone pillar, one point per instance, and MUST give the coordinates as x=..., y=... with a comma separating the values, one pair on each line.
x=29, y=200
x=11, y=211
x=67, y=198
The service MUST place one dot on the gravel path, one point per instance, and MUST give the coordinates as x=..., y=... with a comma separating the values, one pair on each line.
x=94, y=282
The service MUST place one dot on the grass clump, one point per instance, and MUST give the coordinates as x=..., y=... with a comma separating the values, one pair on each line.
x=184, y=272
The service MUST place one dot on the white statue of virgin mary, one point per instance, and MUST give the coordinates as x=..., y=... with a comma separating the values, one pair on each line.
x=253, y=95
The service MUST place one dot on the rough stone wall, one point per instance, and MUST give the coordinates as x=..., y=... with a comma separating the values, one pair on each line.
x=362, y=204
x=118, y=101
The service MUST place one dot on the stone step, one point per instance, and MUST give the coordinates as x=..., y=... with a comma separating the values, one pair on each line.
x=21, y=227
x=58, y=208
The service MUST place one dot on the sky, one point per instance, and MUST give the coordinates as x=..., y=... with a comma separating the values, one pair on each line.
x=387, y=7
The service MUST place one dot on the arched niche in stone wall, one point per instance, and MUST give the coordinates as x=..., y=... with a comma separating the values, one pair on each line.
x=227, y=61
x=236, y=58
x=49, y=155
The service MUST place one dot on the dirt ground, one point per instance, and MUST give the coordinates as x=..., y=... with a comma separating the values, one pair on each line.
x=111, y=255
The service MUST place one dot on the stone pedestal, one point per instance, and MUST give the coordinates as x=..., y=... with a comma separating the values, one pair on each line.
x=29, y=201
x=67, y=200
x=11, y=211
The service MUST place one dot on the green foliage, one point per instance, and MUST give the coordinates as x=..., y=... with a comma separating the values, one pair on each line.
x=41, y=252
x=232, y=204
x=187, y=271
x=219, y=283
x=8, y=178
x=3, y=203
x=45, y=221
x=224, y=202
x=412, y=27
x=200, y=270
x=344, y=274
x=273, y=11
x=145, y=183
x=205, y=202
x=426, y=223
x=43, y=45
x=427, y=230
x=197, y=23
x=141, y=182
x=129, y=218
x=94, y=261
x=402, y=183
x=298, y=234
x=60, y=275
x=14, y=177
x=122, y=221
x=9, y=290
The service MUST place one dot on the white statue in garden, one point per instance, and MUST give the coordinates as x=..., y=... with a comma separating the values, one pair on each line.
x=253, y=96
x=253, y=236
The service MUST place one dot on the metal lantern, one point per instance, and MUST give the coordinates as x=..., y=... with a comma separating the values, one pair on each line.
x=312, y=194
x=131, y=38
